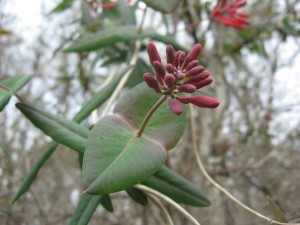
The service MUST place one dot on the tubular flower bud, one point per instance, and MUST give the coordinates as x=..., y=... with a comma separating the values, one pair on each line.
x=153, y=53
x=187, y=88
x=191, y=65
x=169, y=80
x=170, y=54
x=200, y=101
x=152, y=82
x=195, y=79
x=181, y=58
x=175, y=106
x=193, y=55
x=160, y=71
x=203, y=83
x=195, y=71
x=170, y=68
x=185, y=75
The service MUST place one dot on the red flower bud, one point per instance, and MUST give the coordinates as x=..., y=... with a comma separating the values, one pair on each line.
x=181, y=58
x=160, y=71
x=169, y=80
x=170, y=68
x=193, y=55
x=153, y=53
x=170, y=52
x=200, y=101
x=175, y=106
x=180, y=76
x=187, y=88
x=152, y=82
x=195, y=79
x=195, y=71
x=176, y=58
x=191, y=65
x=203, y=83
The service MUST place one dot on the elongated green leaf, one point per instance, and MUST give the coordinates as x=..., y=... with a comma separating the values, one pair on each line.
x=28, y=180
x=137, y=195
x=278, y=214
x=165, y=6
x=85, y=209
x=106, y=203
x=14, y=84
x=176, y=187
x=115, y=157
x=59, y=129
x=97, y=100
x=108, y=37
x=103, y=38
x=63, y=5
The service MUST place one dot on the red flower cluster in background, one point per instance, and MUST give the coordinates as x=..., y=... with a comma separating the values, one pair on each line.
x=184, y=74
x=227, y=14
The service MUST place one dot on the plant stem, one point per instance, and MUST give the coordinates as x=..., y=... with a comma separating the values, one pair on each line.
x=8, y=89
x=150, y=113
x=168, y=200
x=218, y=186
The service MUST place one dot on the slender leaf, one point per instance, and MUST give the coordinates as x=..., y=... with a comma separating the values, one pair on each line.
x=137, y=195
x=59, y=129
x=165, y=6
x=28, y=180
x=279, y=216
x=63, y=5
x=106, y=203
x=97, y=100
x=85, y=209
x=115, y=157
x=14, y=84
x=176, y=187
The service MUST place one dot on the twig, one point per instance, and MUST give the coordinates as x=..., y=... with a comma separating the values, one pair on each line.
x=170, y=201
x=15, y=94
x=123, y=80
x=162, y=208
x=208, y=177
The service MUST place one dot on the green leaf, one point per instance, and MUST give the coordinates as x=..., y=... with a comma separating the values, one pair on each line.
x=137, y=195
x=97, y=100
x=166, y=6
x=85, y=209
x=28, y=180
x=177, y=188
x=59, y=129
x=279, y=216
x=112, y=36
x=106, y=203
x=63, y=5
x=115, y=157
x=136, y=77
x=104, y=38
x=14, y=84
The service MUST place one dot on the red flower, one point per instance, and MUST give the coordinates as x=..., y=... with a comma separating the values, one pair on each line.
x=227, y=14
x=184, y=74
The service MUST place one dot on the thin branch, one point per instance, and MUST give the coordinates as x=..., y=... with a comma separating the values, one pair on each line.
x=218, y=186
x=123, y=80
x=162, y=208
x=170, y=201
x=15, y=94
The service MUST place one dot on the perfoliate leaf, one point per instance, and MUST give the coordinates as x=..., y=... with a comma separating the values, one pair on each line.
x=115, y=157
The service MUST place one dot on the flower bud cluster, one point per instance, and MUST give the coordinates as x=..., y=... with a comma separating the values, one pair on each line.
x=181, y=74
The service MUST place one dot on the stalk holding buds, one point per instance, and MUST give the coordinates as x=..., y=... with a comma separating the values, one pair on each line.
x=184, y=74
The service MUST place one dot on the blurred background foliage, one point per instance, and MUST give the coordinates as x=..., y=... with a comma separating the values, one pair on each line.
x=72, y=49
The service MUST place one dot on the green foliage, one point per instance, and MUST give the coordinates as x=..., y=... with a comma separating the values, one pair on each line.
x=137, y=195
x=112, y=160
x=176, y=187
x=166, y=6
x=14, y=84
x=279, y=216
x=63, y=5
